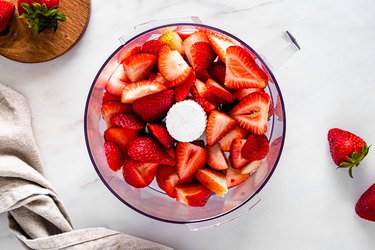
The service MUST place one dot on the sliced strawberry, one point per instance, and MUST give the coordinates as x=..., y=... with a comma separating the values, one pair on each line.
x=278, y=109
x=234, y=177
x=113, y=153
x=137, y=67
x=220, y=43
x=128, y=120
x=189, y=158
x=202, y=75
x=215, y=93
x=183, y=90
x=152, y=47
x=236, y=132
x=170, y=183
x=107, y=97
x=122, y=137
x=173, y=40
x=195, y=195
x=125, y=53
x=252, y=112
x=202, y=56
x=139, y=174
x=109, y=109
x=206, y=105
x=145, y=149
x=134, y=91
x=216, y=158
x=183, y=34
x=160, y=132
x=235, y=157
x=250, y=167
x=242, y=70
x=213, y=180
x=172, y=66
x=241, y=93
x=172, y=153
x=199, y=143
x=218, y=125
x=198, y=36
x=154, y=107
x=274, y=152
x=162, y=172
x=217, y=72
x=159, y=78
x=117, y=82
x=256, y=147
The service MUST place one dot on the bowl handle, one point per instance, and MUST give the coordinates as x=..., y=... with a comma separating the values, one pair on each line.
x=236, y=214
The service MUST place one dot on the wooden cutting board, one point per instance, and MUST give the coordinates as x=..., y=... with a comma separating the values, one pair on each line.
x=22, y=45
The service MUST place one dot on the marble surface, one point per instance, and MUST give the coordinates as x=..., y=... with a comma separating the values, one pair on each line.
x=307, y=204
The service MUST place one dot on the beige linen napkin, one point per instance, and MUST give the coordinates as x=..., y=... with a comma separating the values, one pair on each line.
x=36, y=215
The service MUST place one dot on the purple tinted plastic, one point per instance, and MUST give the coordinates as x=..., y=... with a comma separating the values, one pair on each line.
x=151, y=201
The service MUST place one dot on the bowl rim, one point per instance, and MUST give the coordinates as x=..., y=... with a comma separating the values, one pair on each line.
x=87, y=137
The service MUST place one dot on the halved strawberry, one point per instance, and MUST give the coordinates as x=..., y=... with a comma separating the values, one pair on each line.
x=195, y=195
x=122, y=137
x=170, y=183
x=126, y=52
x=159, y=78
x=235, y=157
x=250, y=167
x=107, y=97
x=137, y=67
x=160, y=132
x=241, y=93
x=128, y=120
x=117, y=82
x=183, y=90
x=206, y=105
x=154, y=107
x=199, y=143
x=216, y=158
x=217, y=72
x=242, y=70
x=173, y=40
x=202, y=56
x=139, y=174
x=252, y=112
x=145, y=149
x=109, y=109
x=218, y=125
x=213, y=180
x=189, y=158
x=234, y=177
x=113, y=153
x=215, y=93
x=162, y=172
x=255, y=148
x=172, y=66
x=220, y=43
x=198, y=36
x=236, y=132
x=152, y=47
x=202, y=75
x=134, y=91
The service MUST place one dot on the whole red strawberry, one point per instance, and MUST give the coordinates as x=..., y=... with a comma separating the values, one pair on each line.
x=365, y=207
x=347, y=149
x=6, y=14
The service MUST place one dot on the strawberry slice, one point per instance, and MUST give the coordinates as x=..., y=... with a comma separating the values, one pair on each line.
x=189, y=158
x=117, y=81
x=109, y=109
x=128, y=120
x=234, y=177
x=122, y=137
x=202, y=75
x=252, y=112
x=170, y=183
x=216, y=158
x=145, y=149
x=183, y=90
x=217, y=72
x=215, y=93
x=173, y=40
x=154, y=107
x=172, y=66
x=125, y=53
x=160, y=132
x=241, y=93
x=255, y=148
x=213, y=180
x=198, y=36
x=202, y=56
x=113, y=153
x=199, y=143
x=107, y=97
x=235, y=157
x=218, y=125
x=152, y=47
x=220, y=43
x=236, y=132
x=163, y=172
x=137, y=67
x=134, y=91
x=195, y=195
x=159, y=78
x=139, y=174
x=206, y=105
x=250, y=167
x=242, y=70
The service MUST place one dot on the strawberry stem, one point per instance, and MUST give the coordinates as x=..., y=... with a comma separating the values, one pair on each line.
x=354, y=160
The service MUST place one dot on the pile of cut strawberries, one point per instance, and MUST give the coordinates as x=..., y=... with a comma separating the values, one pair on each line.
x=209, y=68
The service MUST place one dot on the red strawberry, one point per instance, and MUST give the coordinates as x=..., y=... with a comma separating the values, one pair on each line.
x=139, y=174
x=202, y=56
x=160, y=132
x=252, y=112
x=241, y=93
x=218, y=125
x=216, y=158
x=159, y=78
x=217, y=72
x=152, y=47
x=145, y=149
x=347, y=149
x=202, y=75
x=236, y=132
x=199, y=143
x=220, y=43
x=6, y=13
x=213, y=180
x=134, y=91
x=183, y=90
x=274, y=152
x=163, y=172
x=255, y=148
x=122, y=137
x=109, y=109
x=206, y=105
x=154, y=107
x=107, y=97
x=189, y=158
x=242, y=70
x=195, y=195
x=125, y=53
x=250, y=167
x=198, y=36
x=235, y=157
x=137, y=67
x=170, y=183
x=113, y=153
x=115, y=86
x=365, y=207
x=234, y=177
x=215, y=93
x=128, y=120
x=48, y=3
x=173, y=40
x=172, y=66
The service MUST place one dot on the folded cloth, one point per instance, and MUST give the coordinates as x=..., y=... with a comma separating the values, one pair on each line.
x=36, y=215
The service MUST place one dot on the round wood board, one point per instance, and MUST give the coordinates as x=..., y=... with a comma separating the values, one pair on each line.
x=22, y=45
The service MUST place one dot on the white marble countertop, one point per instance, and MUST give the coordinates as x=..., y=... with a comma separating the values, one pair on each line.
x=307, y=204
